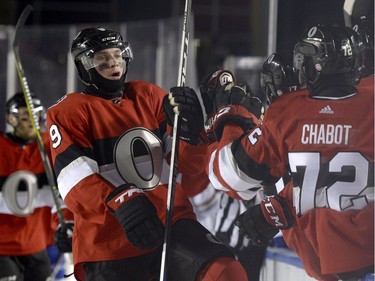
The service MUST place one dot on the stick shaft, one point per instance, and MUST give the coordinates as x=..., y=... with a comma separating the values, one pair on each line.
x=175, y=142
x=31, y=110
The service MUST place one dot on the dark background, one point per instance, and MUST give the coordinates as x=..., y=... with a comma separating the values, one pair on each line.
x=222, y=27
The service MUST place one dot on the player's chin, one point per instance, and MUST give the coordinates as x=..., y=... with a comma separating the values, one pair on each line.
x=113, y=78
x=30, y=136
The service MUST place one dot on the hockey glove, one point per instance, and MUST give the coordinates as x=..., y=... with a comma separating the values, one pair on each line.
x=211, y=84
x=260, y=223
x=233, y=104
x=63, y=237
x=137, y=216
x=184, y=102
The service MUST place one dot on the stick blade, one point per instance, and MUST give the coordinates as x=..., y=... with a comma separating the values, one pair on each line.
x=20, y=23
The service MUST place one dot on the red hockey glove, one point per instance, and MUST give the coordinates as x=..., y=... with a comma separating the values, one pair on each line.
x=184, y=102
x=63, y=237
x=260, y=223
x=137, y=216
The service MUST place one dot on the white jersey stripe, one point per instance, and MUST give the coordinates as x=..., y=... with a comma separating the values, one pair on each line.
x=110, y=173
x=43, y=198
x=73, y=173
x=245, y=186
x=211, y=175
x=83, y=167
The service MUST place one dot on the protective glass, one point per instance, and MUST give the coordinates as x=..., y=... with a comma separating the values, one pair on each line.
x=306, y=49
x=103, y=60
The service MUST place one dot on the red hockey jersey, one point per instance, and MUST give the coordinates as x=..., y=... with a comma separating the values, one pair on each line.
x=328, y=147
x=22, y=166
x=85, y=131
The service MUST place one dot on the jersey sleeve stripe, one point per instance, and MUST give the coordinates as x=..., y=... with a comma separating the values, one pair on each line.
x=232, y=174
x=211, y=175
x=73, y=173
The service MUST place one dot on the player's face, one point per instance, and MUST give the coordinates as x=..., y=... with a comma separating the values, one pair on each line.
x=110, y=63
x=23, y=126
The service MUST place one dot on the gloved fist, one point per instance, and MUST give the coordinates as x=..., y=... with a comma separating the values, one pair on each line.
x=234, y=104
x=63, y=237
x=215, y=80
x=260, y=223
x=137, y=216
x=184, y=102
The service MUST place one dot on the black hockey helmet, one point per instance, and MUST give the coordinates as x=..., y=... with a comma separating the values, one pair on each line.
x=277, y=79
x=86, y=43
x=18, y=100
x=365, y=29
x=327, y=50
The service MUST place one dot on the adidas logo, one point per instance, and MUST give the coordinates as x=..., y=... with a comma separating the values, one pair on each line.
x=326, y=110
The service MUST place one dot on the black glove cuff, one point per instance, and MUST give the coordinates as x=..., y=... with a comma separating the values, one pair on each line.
x=114, y=204
x=117, y=191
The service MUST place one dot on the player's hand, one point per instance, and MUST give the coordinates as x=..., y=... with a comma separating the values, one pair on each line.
x=63, y=237
x=208, y=87
x=233, y=104
x=137, y=216
x=260, y=223
x=184, y=102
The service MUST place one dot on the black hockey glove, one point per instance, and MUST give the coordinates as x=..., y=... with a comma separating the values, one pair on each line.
x=233, y=104
x=260, y=223
x=63, y=237
x=184, y=102
x=215, y=80
x=137, y=216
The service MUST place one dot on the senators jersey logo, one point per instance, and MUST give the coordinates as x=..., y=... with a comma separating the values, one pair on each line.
x=20, y=203
x=138, y=156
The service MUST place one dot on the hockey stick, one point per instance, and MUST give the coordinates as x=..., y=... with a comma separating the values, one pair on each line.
x=175, y=142
x=34, y=119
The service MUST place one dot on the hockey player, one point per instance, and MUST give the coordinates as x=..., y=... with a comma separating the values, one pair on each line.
x=26, y=202
x=109, y=147
x=327, y=198
x=322, y=136
x=277, y=79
